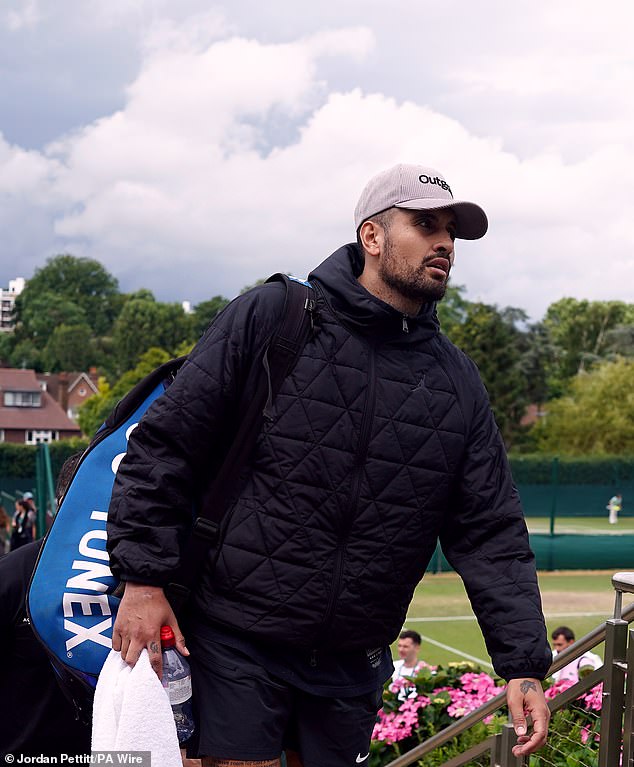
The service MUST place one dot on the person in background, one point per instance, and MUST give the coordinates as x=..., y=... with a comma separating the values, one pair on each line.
x=23, y=525
x=408, y=648
x=563, y=637
x=613, y=507
x=5, y=531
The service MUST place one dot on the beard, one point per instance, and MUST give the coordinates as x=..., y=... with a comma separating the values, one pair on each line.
x=410, y=282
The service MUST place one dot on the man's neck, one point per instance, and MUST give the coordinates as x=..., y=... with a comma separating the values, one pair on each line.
x=388, y=295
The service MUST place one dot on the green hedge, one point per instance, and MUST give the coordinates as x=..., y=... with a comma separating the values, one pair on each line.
x=18, y=461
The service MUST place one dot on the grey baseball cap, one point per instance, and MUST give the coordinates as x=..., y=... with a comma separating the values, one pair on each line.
x=415, y=187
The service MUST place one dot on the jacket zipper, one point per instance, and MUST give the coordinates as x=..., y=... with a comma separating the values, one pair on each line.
x=353, y=498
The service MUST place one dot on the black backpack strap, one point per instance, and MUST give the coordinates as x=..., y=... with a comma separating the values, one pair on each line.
x=278, y=360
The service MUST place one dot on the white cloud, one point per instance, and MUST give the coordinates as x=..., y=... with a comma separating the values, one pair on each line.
x=232, y=158
x=27, y=15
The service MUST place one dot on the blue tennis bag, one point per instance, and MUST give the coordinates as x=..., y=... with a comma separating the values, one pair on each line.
x=73, y=597
x=72, y=587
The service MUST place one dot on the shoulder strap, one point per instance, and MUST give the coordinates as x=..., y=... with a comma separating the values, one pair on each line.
x=278, y=360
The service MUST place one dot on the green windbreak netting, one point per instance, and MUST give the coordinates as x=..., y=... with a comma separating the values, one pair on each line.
x=573, y=487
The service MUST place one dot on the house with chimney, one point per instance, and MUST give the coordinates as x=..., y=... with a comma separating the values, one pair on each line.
x=28, y=413
x=70, y=390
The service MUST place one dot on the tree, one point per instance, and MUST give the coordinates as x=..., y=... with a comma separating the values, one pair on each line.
x=596, y=416
x=536, y=352
x=620, y=342
x=145, y=323
x=494, y=342
x=81, y=281
x=42, y=312
x=26, y=355
x=452, y=310
x=96, y=409
x=7, y=342
x=205, y=312
x=580, y=334
x=70, y=347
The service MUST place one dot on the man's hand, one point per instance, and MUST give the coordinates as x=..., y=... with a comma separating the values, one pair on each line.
x=525, y=696
x=142, y=612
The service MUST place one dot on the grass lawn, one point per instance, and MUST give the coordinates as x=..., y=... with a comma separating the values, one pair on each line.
x=441, y=613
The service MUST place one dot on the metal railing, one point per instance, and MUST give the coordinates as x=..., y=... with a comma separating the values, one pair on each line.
x=617, y=710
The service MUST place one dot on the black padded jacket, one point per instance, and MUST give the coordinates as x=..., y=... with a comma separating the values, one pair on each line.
x=382, y=441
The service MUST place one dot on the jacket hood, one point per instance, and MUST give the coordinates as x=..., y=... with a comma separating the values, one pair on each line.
x=362, y=311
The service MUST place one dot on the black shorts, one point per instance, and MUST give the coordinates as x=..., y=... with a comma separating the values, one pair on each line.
x=246, y=714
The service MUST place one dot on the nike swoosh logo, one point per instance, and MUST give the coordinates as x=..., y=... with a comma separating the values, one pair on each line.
x=362, y=758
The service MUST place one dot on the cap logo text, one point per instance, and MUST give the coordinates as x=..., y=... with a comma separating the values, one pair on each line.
x=425, y=179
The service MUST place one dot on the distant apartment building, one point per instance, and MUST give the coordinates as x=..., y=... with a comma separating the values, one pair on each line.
x=28, y=413
x=7, y=302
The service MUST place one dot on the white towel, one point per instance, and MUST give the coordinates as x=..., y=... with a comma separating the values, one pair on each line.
x=132, y=712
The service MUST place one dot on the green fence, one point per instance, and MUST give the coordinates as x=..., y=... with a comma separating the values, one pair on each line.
x=550, y=487
x=573, y=487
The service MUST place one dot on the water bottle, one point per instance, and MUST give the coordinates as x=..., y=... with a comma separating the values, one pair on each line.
x=177, y=681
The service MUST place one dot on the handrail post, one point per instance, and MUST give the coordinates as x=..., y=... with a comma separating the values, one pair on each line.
x=628, y=720
x=502, y=754
x=614, y=682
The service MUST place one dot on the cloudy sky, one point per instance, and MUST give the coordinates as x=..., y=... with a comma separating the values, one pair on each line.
x=193, y=147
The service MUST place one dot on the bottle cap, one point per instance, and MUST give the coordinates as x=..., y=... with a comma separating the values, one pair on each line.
x=167, y=637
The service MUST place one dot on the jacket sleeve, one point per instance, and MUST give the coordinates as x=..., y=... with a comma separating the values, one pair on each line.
x=486, y=541
x=179, y=443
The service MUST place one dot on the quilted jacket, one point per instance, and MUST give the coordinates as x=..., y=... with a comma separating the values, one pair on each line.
x=381, y=441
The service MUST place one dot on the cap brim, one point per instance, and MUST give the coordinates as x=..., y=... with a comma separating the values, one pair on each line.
x=471, y=220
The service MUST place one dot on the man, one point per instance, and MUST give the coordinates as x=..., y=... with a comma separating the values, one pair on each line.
x=613, y=507
x=563, y=637
x=380, y=441
x=408, y=648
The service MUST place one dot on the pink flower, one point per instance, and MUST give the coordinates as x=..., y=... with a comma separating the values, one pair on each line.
x=477, y=689
x=398, y=684
x=561, y=686
x=593, y=698
x=400, y=724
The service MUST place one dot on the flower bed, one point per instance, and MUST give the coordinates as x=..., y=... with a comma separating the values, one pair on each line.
x=417, y=707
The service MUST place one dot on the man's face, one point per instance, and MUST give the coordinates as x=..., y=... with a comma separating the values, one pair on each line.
x=560, y=643
x=408, y=651
x=418, y=253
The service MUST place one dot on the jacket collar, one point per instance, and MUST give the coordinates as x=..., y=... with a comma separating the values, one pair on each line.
x=362, y=311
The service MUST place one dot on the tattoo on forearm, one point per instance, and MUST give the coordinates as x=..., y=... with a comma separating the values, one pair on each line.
x=525, y=686
x=154, y=648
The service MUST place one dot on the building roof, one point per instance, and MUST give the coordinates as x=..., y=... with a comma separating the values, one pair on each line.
x=49, y=416
x=89, y=379
x=16, y=379
x=55, y=381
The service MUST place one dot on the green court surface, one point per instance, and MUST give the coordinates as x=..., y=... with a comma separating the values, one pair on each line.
x=441, y=613
x=581, y=525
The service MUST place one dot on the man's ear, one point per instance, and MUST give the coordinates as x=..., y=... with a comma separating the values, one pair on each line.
x=372, y=237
